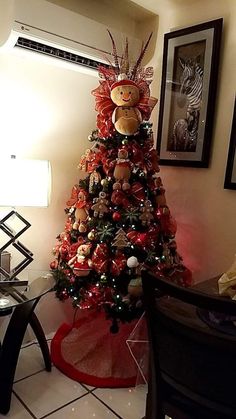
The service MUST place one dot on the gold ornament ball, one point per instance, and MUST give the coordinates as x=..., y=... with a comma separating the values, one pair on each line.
x=103, y=278
x=104, y=182
x=91, y=235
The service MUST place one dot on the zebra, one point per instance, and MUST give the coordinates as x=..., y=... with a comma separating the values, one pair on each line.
x=185, y=131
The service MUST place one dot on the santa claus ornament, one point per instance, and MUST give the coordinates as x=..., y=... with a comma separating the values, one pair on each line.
x=81, y=263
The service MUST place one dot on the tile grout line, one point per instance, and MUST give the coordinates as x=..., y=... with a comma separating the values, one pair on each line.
x=28, y=376
x=101, y=401
x=24, y=405
x=88, y=391
x=53, y=411
x=36, y=372
x=64, y=405
x=72, y=401
x=21, y=379
x=27, y=345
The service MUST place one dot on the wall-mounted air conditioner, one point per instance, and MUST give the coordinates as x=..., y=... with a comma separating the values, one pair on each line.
x=45, y=28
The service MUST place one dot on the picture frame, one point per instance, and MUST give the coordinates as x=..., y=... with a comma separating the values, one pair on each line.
x=230, y=173
x=188, y=94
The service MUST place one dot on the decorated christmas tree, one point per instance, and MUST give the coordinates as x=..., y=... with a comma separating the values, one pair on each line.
x=117, y=218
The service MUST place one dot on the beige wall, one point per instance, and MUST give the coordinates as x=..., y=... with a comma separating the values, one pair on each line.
x=204, y=211
x=47, y=112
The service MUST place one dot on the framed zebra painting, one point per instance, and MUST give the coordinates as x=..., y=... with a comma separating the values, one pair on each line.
x=230, y=174
x=188, y=93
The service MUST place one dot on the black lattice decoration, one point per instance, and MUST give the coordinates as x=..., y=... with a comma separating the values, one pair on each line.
x=28, y=255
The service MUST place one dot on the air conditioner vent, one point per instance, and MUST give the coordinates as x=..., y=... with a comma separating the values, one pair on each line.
x=56, y=53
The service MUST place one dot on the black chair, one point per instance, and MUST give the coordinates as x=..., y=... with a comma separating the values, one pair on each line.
x=192, y=365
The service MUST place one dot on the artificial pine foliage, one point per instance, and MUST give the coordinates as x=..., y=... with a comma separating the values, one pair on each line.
x=117, y=218
x=121, y=233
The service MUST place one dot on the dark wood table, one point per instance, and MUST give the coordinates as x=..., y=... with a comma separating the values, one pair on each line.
x=210, y=287
x=212, y=315
x=221, y=322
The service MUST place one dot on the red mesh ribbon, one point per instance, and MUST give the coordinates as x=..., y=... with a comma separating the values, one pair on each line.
x=105, y=107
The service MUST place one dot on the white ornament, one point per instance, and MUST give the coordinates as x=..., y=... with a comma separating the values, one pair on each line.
x=132, y=262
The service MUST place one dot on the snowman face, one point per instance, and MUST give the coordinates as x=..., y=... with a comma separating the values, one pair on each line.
x=125, y=95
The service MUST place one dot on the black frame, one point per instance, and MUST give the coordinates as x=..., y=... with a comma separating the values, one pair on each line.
x=209, y=34
x=230, y=183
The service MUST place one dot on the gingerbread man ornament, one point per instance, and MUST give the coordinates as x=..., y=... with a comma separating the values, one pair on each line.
x=122, y=170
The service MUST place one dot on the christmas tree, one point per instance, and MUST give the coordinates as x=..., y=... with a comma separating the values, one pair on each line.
x=118, y=221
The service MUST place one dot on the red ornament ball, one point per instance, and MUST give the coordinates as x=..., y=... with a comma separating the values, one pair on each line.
x=54, y=264
x=116, y=216
x=64, y=295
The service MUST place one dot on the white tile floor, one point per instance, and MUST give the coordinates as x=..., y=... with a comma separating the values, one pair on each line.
x=40, y=394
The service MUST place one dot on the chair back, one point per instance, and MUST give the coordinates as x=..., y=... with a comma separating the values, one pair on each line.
x=193, y=366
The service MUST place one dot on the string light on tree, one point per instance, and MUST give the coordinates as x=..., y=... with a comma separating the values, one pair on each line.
x=118, y=212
